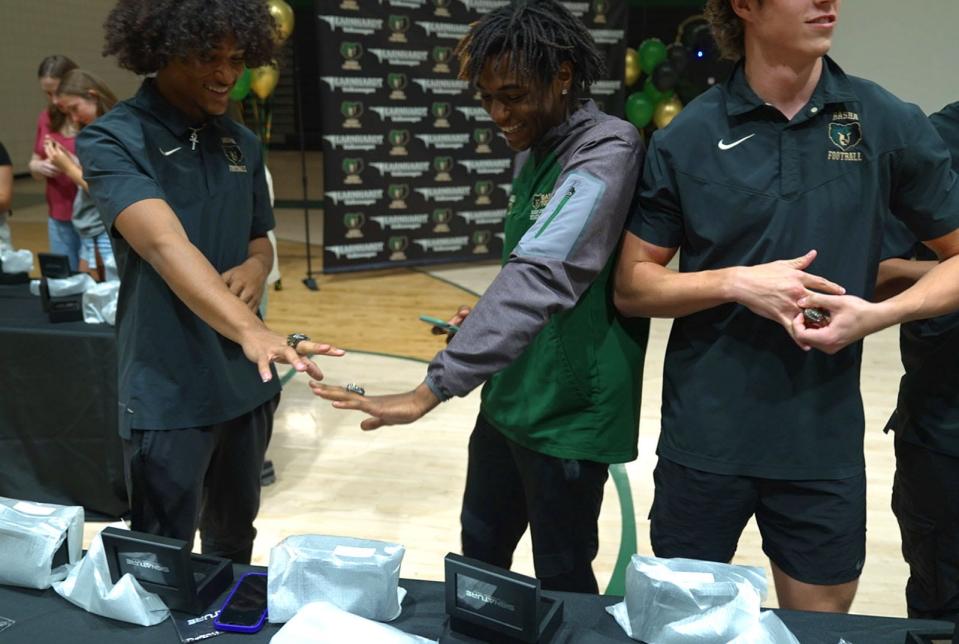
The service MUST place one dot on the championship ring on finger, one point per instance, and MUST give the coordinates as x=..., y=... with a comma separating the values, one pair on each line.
x=356, y=389
x=295, y=338
x=816, y=318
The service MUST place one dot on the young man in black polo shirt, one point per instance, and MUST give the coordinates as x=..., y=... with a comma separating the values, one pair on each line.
x=925, y=493
x=182, y=189
x=787, y=167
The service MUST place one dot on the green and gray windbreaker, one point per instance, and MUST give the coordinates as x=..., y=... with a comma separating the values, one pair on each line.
x=564, y=371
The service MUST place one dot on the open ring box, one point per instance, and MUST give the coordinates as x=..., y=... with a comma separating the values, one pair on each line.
x=183, y=580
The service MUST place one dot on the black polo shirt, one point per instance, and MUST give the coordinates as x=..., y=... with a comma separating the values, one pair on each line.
x=175, y=371
x=731, y=182
x=927, y=412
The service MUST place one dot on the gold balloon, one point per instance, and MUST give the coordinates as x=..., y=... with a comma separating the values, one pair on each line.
x=666, y=111
x=263, y=80
x=283, y=17
x=633, y=69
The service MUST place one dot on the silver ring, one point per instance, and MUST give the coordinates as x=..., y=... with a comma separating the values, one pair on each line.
x=356, y=389
x=295, y=338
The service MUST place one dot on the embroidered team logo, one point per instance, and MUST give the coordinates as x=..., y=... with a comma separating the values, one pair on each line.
x=845, y=133
x=233, y=154
x=538, y=204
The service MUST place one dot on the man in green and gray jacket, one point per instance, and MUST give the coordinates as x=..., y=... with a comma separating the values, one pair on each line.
x=563, y=370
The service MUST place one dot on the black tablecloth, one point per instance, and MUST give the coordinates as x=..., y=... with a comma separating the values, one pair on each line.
x=58, y=409
x=43, y=617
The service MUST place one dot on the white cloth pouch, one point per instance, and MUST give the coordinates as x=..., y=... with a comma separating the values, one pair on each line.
x=669, y=601
x=324, y=623
x=88, y=585
x=16, y=261
x=73, y=285
x=38, y=541
x=356, y=575
x=100, y=303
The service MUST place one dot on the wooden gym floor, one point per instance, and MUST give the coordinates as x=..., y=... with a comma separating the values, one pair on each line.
x=403, y=484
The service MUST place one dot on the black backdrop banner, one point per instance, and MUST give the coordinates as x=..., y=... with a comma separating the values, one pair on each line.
x=415, y=172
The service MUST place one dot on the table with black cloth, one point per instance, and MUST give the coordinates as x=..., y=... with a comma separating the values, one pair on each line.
x=43, y=616
x=58, y=409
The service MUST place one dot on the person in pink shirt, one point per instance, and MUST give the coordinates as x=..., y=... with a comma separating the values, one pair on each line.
x=61, y=191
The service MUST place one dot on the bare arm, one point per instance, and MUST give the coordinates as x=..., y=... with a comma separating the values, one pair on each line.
x=645, y=287
x=247, y=280
x=156, y=234
x=65, y=163
x=897, y=274
x=6, y=187
x=936, y=293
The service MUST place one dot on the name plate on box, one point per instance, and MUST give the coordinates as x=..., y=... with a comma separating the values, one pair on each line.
x=184, y=581
x=492, y=604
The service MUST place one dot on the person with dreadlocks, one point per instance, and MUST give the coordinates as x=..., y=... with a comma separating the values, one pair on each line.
x=563, y=371
x=182, y=190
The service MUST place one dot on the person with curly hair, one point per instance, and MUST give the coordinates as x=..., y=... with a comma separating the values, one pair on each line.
x=182, y=190
x=775, y=185
x=562, y=371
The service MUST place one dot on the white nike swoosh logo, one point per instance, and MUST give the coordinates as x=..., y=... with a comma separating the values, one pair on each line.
x=727, y=146
x=167, y=153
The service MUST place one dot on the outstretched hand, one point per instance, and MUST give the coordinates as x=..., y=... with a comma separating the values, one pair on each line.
x=394, y=409
x=263, y=346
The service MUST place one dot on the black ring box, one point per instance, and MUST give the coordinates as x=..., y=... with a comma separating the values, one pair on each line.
x=59, y=309
x=184, y=581
x=490, y=604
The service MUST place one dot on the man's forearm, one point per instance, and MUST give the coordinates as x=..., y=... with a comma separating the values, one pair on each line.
x=260, y=250
x=896, y=275
x=194, y=280
x=936, y=293
x=652, y=290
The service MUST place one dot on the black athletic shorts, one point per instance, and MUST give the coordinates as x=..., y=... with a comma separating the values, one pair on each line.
x=814, y=531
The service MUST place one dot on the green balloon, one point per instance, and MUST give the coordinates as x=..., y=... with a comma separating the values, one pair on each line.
x=655, y=95
x=652, y=52
x=639, y=109
x=242, y=86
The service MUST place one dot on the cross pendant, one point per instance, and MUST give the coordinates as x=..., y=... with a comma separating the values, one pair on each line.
x=194, y=139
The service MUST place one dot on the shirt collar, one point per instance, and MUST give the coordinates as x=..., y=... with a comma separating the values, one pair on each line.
x=833, y=87
x=149, y=99
x=586, y=112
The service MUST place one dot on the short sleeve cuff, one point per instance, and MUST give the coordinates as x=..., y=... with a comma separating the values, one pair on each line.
x=657, y=228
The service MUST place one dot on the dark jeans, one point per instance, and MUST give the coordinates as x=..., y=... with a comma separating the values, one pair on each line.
x=509, y=487
x=206, y=477
x=925, y=499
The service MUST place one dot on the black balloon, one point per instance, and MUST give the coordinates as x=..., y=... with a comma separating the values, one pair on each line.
x=678, y=57
x=698, y=38
x=665, y=77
